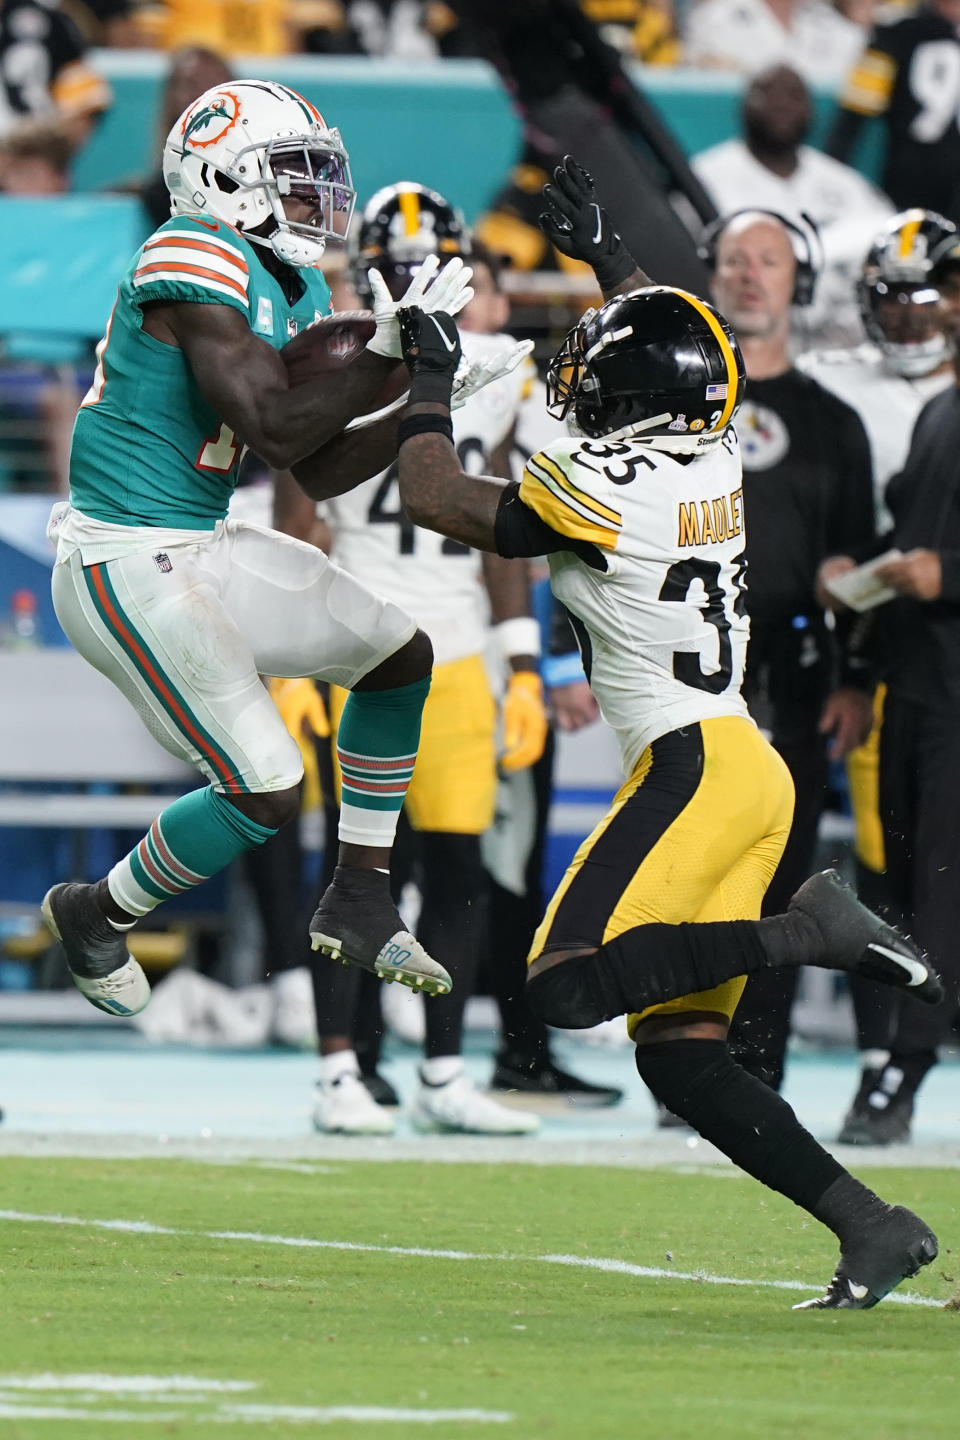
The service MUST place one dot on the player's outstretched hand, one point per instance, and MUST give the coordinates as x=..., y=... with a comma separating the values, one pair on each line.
x=450, y=291
x=472, y=377
x=577, y=224
x=431, y=351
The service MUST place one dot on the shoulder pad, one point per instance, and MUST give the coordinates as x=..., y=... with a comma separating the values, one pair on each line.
x=192, y=258
x=569, y=495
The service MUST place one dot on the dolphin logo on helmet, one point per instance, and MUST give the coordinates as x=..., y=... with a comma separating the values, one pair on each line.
x=226, y=107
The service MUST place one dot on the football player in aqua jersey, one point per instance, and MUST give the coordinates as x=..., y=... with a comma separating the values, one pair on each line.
x=184, y=610
x=641, y=515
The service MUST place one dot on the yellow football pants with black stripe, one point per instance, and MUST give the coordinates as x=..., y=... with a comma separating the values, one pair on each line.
x=454, y=785
x=694, y=835
x=863, y=779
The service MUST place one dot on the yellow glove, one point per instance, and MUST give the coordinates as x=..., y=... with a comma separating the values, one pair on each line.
x=303, y=712
x=524, y=721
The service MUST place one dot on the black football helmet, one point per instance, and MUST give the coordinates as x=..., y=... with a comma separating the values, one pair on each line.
x=659, y=364
x=898, y=299
x=400, y=227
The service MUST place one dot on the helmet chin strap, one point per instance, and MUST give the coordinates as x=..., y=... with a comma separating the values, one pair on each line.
x=299, y=250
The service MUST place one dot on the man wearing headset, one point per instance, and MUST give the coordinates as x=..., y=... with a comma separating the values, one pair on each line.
x=806, y=482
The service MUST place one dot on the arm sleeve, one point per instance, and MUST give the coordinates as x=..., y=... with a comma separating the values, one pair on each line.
x=518, y=530
x=869, y=86
x=194, y=261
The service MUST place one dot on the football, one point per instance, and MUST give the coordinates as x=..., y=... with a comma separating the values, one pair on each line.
x=329, y=344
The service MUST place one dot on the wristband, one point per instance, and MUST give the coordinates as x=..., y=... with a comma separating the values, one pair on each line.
x=428, y=424
x=519, y=636
x=432, y=385
x=610, y=270
x=562, y=669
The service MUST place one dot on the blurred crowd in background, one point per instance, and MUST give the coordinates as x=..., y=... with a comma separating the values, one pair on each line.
x=575, y=70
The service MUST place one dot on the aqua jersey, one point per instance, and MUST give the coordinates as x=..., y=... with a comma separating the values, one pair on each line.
x=147, y=448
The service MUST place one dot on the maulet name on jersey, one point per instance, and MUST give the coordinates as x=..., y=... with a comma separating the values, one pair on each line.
x=706, y=522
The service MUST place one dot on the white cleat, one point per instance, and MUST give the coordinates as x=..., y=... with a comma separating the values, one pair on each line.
x=122, y=992
x=459, y=1107
x=100, y=964
x=346, y=1107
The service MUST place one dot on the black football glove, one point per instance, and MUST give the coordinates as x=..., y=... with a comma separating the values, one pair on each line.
x=580, y=227
x=431, y=350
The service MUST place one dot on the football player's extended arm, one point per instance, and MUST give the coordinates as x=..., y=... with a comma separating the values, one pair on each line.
x=580, y=227
x=437, y=493
x=245, y=382
x=479, y=510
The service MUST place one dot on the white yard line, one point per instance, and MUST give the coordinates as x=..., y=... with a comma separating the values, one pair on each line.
x=125, y=1384
x=256, y=1414
x=69, y=1397
x=576, y=1262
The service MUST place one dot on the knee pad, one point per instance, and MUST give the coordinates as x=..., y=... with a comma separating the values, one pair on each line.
x=678, y=1072
x=562, y=996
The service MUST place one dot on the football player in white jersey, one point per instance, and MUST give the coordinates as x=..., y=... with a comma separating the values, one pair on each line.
x=641, y=515
x=903, y=363
x=454, y=592
x=905, y=359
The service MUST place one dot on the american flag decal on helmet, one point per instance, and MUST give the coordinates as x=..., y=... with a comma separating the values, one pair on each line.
x=717, y=392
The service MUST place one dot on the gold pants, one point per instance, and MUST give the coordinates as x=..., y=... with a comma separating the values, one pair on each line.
x=454, y=783
x=695, y=834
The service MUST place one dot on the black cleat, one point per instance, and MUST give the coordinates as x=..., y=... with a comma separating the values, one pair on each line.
x=514, y=1072
x=889, y=1250
x=869, y=1126
x=97, y=956
x=869, y=1076
x=358, y=923
x=856, y=940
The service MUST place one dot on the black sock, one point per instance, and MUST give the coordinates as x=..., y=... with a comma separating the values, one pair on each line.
x=847, y=1206
x=699, y=1081
x=645, y=966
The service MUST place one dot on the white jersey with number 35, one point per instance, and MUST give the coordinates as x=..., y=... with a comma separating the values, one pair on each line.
x=663, y=629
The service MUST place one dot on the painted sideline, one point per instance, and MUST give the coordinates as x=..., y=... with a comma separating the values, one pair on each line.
x=574, y=1262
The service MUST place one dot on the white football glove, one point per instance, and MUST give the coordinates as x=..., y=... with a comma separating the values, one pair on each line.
x=472, y=377
x=449, y=291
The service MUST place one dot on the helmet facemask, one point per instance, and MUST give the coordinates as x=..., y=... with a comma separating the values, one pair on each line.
x=313, y=169
x=903, y=321
x=565, y=375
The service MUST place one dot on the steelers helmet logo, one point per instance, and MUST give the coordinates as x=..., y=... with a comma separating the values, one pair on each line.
x=764, y=440
x=208, y=122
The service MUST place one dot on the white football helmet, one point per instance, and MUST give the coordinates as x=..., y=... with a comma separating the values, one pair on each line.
x=239, y=149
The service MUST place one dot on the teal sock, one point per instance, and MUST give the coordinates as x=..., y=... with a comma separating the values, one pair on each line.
x=187, y=843
x=377, y=749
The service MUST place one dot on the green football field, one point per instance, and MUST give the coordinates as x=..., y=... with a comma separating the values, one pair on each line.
x=372, y=1299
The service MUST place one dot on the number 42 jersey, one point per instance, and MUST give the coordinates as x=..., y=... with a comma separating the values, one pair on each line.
x=656, y=585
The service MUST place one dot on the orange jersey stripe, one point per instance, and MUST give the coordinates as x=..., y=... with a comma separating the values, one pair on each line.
x=181, y=268
x=221, y=251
